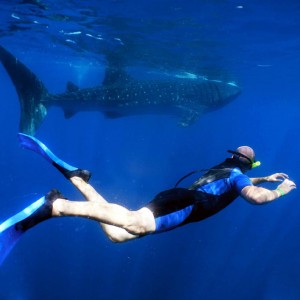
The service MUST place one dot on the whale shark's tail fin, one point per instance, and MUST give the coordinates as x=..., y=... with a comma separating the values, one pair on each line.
x=30, y=90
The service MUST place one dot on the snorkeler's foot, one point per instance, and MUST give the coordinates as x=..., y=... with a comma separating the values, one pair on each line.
x=83, y=174
x=52, y=196
x=42, y=213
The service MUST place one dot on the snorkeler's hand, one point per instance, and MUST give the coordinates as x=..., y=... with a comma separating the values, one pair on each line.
x=277, y=177
x=286, y=186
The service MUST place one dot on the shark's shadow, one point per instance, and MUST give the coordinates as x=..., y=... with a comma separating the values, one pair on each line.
x=119, y=95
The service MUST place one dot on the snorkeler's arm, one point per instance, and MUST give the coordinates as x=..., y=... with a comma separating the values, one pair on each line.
x=277, y=177
x=259, y=195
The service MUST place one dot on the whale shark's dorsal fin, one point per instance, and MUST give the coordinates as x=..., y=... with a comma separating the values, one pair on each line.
x=71, y=87
x=114, y=76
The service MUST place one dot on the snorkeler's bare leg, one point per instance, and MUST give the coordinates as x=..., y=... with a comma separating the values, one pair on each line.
x=138, y=223
x=118, y=223
x=115, y=234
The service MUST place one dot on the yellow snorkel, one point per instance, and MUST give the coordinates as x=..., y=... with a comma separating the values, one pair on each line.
x=256, y=164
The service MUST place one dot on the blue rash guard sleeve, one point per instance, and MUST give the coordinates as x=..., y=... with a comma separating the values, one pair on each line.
x=240, y=181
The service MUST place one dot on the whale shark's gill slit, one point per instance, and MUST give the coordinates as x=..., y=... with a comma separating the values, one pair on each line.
x=216, y=94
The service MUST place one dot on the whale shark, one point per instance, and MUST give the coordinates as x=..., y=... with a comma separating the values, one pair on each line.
x=119, y=95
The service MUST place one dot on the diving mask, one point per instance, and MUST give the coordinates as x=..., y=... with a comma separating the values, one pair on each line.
x=253, y=163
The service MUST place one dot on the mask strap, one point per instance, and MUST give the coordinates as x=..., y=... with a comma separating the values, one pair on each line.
x=241, y=155
x=254, y=163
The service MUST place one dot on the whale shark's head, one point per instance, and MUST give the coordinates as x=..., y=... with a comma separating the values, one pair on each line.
x=229, y=91
x=216, y=93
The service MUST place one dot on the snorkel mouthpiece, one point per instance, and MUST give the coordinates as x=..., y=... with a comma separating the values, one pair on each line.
x=256, y=164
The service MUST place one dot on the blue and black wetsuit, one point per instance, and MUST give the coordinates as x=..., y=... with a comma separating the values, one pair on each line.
x=208, y=195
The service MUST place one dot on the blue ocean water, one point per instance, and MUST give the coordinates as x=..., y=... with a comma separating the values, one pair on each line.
x=244, y=252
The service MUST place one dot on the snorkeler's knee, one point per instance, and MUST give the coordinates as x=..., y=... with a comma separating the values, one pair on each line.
x=142, y=223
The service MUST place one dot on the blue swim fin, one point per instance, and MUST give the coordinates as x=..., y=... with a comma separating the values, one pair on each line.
x=11, y=231
x=13, y=228
x=32, y=143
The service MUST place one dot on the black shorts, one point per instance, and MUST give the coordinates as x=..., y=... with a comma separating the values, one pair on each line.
x=179, y=206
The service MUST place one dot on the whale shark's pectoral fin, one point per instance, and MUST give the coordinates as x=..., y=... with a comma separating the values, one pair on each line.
x=189, y=116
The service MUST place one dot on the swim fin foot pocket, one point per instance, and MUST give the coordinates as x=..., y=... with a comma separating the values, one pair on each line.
x=83, y=174
x=43, y=213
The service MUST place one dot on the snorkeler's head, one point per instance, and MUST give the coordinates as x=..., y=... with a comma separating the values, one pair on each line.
x=246, y=156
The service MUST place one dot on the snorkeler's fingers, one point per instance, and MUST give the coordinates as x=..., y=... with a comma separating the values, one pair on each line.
x=280, y=177
x=284, y=175
x=291, y=184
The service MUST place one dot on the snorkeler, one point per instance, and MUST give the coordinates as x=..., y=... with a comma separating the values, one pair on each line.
x=212, y=192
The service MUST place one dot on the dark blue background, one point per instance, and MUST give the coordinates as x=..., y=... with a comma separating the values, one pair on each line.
x=244, y=252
